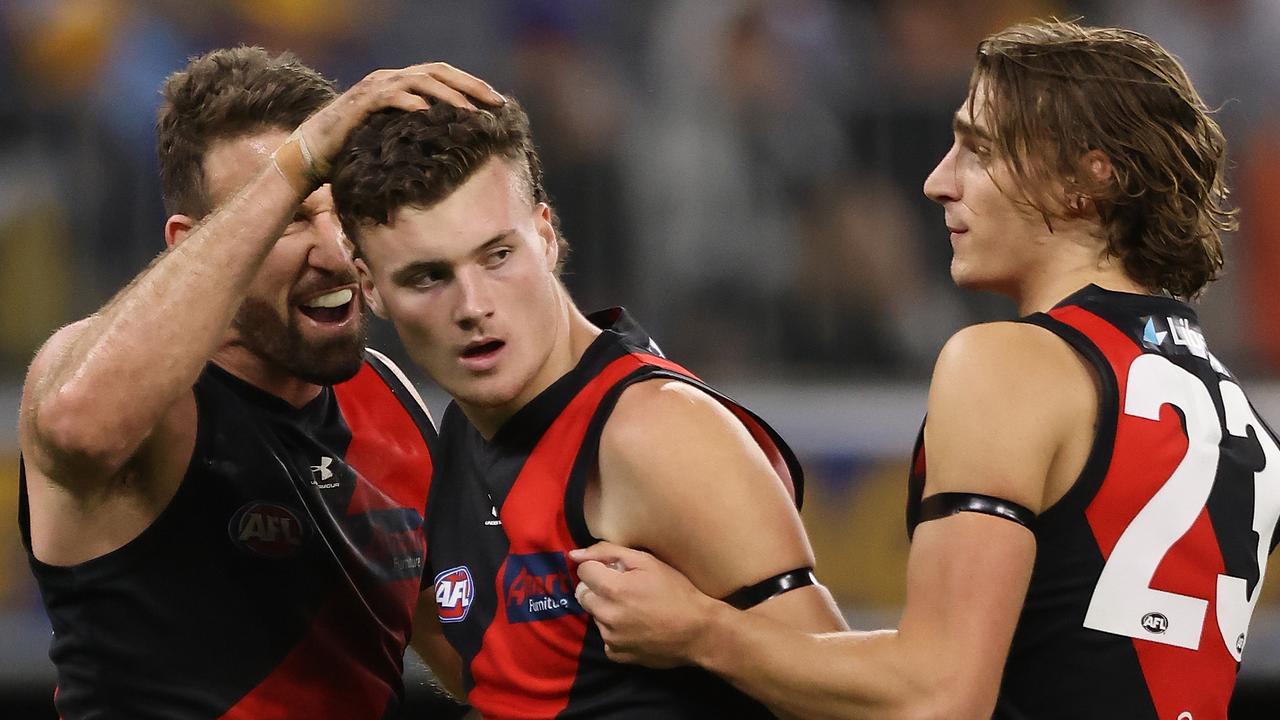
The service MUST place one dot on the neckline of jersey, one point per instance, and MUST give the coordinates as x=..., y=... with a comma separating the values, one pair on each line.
x=247, y=391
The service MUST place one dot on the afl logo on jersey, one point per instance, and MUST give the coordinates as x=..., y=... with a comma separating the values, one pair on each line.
x=454, y=593
x=267, y=529
x=1155, y=623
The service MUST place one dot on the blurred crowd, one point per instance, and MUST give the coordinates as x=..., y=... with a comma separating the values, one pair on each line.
x=744, y=174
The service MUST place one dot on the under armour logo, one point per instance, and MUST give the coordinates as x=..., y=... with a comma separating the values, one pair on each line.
x=321, y=473
x=493, y=510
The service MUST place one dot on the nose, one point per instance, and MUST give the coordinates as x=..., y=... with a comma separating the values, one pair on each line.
x=331, y=251
x=942, y=185
x=474, y=299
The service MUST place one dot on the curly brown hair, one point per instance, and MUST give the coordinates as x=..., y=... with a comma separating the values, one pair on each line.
x=1057, y=90
x=398, y=158
x=225, y=94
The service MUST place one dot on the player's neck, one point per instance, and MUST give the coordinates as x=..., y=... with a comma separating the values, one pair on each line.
x=268, y=377
x=1069, y=256
x=1047, y=286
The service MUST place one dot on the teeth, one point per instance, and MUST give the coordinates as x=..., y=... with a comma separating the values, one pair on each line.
x=337, y=298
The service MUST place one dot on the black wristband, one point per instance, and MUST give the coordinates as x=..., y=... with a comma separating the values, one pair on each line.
x=752, y=595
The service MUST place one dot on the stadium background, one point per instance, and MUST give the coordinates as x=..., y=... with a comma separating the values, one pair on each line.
x=744, y=175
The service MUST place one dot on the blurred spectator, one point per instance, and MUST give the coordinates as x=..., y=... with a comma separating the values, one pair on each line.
x=731, y=140
x=861, y=301
x=1226, y=46
x=578, y=104
x=699, y=153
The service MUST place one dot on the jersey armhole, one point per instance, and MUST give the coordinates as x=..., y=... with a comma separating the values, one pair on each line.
x=587, y=462
x=1087, y=483
x=139, y=545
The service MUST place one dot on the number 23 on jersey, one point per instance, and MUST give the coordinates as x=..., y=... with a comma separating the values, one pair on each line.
x=1123, y=601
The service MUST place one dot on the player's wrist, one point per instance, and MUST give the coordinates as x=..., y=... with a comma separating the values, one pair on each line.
x=299, y=166
x=708, y=637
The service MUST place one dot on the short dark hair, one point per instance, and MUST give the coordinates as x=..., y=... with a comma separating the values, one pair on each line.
x=398, y=158
x=225, y=94
x=1057, y=90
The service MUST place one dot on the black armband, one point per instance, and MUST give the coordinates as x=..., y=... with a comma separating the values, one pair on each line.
x=752, y=595
x=947, y=504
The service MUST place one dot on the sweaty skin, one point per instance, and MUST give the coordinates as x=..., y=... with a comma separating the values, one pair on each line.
x=107, y=418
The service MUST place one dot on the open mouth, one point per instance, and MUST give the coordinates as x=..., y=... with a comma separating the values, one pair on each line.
x=332, y=307
x=482, y=349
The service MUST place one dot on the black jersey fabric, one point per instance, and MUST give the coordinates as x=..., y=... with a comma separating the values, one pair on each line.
x=280, y=580
x=502, y=517
x=1147, y=570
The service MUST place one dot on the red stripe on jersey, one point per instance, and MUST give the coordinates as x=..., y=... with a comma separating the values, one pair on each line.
x=328, y=675
x=386, y=444
x=526, y=670
x=348, y=662
x=1145, y=455
x=393, y=470
x=664, y=363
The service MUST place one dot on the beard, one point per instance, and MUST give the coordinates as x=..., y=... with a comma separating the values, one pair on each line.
x=282, y=343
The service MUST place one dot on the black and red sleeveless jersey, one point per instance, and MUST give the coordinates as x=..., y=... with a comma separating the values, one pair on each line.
x=1148, y=569
x=280, y=580
x=503, y=515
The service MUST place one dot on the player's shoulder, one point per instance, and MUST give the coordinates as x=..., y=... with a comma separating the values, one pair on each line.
x=661, y=406
x=1003, y=352
x=663, y=415
x=1009, y=369
x=1004, y=400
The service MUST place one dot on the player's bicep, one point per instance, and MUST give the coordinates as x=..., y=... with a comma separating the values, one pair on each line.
x=691, y=485
x=967, y=578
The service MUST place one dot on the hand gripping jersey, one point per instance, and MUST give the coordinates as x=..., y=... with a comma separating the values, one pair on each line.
x=1148, y=569
x=503, y=515
x=280, y=580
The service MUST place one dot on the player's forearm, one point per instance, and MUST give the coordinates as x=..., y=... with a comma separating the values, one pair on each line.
x=835, y=675
x=429, y=643
x=111, y=385
x=446, y=668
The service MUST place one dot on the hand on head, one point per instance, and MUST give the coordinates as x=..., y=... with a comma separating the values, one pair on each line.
x=309, y=153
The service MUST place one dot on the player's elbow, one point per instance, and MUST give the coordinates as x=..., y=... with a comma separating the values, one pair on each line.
x=67, y=428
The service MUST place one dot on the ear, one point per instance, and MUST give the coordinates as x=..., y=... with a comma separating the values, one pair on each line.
x=551, y=243
x=371, y=296
x=1095, y=165
x=176, y=228
x=1093, y=174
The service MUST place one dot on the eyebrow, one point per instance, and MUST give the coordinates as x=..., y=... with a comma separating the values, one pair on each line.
x=961, y=126
x=405, y=275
